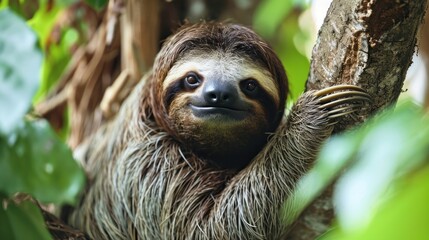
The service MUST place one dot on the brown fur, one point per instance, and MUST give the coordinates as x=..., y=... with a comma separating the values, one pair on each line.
x=209, y=36
x=145, y=184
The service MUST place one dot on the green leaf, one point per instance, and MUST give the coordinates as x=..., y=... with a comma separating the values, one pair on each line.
x=20, y=61
x=23, y=221
x=270, y=14
x=383, y=194
x=405, y=215
x=66, y=3
x=296, y=64
x=391, y=147
x=43, y=21
x=97, y=4
x=35, y=161
x=55, y=62
x=6, y=228
x=57, y=54
x=24, y=8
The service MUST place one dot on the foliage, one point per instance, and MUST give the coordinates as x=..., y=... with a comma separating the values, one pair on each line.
x=57, y=42
x=373, y=198
x=19, y=71
x=57, y=52
x=22, y=221
x=97, y=4
x=270, y=15
x=32, y=158
x=383, y=191
x=277, y=20
x=404, y=213
x=295, y=62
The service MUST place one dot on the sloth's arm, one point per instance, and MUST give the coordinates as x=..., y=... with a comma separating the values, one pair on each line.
x=251, y=205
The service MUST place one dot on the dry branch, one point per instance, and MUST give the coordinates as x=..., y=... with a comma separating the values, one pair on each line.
x=123, y=47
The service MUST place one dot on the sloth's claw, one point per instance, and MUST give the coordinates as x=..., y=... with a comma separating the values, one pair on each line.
x=336, y=88
x=350, y=99
x=338, y=95
x=342, y=100
x=347, y=111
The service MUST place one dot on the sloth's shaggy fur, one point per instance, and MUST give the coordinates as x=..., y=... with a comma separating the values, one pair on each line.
x=144, y=183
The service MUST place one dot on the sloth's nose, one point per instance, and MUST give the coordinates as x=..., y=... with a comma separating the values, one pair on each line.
x=220, y=94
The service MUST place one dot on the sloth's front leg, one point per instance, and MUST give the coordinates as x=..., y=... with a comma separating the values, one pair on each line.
x=311, y=121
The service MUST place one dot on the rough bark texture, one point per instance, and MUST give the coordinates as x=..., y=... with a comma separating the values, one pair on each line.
x=369, y=43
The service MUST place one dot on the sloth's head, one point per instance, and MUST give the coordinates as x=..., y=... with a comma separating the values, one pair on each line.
x=222, y=91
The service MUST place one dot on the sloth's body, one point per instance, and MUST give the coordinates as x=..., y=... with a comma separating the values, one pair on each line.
x=199, y=150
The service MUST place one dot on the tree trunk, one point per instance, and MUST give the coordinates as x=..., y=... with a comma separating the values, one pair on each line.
x=368, y=43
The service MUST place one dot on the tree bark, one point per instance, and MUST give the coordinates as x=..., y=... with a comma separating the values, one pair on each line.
x=368, y=43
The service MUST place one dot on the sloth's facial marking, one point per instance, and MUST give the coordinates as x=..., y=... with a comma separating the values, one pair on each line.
x=223, y=67
x=221, y=105
x=220, y=87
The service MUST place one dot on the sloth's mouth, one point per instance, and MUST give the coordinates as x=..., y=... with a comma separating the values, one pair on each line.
x=218, y=112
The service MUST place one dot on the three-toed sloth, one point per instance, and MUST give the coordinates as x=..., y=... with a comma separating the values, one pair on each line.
x=201, y=149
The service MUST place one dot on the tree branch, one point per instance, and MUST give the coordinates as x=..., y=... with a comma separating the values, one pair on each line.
x=369, y=43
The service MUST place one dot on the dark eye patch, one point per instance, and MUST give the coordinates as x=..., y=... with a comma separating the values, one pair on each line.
x=188, y=82
x=171, y=91
x=252, y=89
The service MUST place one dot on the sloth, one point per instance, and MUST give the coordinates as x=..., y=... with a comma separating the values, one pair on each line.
x=202, y=147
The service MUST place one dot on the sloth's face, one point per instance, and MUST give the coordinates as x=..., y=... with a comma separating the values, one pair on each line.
x=222, y=106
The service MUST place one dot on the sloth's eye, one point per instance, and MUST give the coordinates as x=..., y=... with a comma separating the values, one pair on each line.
x=192, y=80
x=249, y=86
